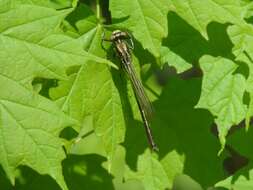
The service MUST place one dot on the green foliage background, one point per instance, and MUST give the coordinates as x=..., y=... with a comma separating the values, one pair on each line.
x=68, y=116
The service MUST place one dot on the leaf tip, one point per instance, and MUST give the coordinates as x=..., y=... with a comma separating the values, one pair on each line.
x=247, y=125
x=12, y=179
x=109, y=164
x=223, y=142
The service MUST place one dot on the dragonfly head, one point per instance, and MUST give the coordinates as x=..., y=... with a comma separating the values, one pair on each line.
x=118, y=34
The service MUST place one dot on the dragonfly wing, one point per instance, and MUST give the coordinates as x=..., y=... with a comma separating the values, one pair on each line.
x=139, y=91
x=143, y=103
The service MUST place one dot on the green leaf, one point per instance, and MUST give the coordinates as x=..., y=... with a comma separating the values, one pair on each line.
x=145, y=18
x=57, y=4
x=150, y=172
x=200, y=13
x=32, y=47
x=249, y=8
x=242, y=37
x=172, y=59
x=222, y=93
x=185, y=182
x=79, y=22
x=53, y=48
x=29, y=130
x=91, y=92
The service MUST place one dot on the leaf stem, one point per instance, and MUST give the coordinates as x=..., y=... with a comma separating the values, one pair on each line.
x=98, y=9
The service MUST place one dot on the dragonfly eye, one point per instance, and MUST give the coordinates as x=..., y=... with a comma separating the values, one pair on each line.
x=116, y=32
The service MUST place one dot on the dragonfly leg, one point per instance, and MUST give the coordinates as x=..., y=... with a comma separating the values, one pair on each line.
x=131, y=45
x=103, y=40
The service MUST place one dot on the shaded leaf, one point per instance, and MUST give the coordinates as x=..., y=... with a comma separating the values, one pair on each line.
x=177, y=128
x=200, y=13
x=243, y=178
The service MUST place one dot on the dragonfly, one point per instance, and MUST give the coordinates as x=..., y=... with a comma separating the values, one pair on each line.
x=120, y=40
